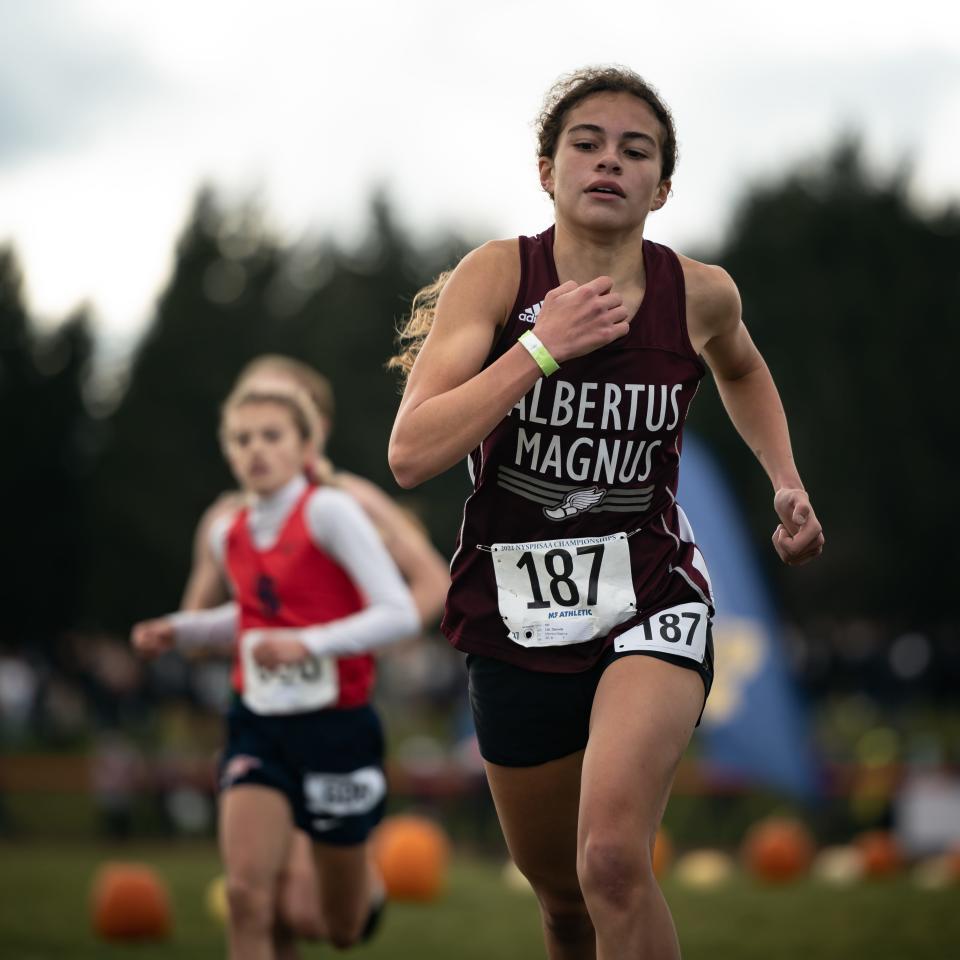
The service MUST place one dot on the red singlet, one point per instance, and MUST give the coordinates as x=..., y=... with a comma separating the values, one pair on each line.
x=294, y=584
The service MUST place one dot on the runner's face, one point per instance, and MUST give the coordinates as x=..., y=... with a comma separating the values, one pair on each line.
x=606, y=171
x=263, y=446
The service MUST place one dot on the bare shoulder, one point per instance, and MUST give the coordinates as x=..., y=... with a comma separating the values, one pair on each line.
x=713, y=301
x=495, y=255
x=488, y=274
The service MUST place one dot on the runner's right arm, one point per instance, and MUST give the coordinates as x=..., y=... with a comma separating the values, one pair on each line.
x=202, y=628
x=451, y=403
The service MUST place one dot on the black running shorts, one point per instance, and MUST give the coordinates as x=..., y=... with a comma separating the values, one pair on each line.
x=527, y=717
x=327, y=763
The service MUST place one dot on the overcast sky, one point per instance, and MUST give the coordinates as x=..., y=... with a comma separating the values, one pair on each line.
x=113, y=111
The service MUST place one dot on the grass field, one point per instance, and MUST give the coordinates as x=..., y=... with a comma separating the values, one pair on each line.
x=44, y=890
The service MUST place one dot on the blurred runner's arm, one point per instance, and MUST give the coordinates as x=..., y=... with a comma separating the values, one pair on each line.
x=206, y=586
x=199, y=625
x=188, y=630
x=424, y=569
x=339, y=527
x=205, y=629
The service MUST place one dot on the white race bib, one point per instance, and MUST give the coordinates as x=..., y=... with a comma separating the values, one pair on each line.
x=344, y=794
x=311, y=684
x=557, y=592
x=681, y=629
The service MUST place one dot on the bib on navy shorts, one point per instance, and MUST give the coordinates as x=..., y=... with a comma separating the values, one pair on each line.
x=327, y=763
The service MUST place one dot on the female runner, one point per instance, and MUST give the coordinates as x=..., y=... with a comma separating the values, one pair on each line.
x=315, y=593
x=422, y=567
x=563, y=366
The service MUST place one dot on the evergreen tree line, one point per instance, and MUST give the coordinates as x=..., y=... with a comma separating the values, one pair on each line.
x=48, y=441
x=851, y=292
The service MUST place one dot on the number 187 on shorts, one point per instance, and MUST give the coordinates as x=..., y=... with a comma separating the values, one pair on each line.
x=681, y=630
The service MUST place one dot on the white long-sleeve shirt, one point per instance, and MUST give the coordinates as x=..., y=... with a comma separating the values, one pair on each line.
x=339, y=527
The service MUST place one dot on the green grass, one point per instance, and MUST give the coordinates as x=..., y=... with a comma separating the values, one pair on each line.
x=44, y=891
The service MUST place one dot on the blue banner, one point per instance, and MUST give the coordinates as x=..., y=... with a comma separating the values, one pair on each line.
x=755, y=726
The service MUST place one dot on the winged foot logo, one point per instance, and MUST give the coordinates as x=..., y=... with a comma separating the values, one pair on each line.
x=562, y=500
x=576, y=501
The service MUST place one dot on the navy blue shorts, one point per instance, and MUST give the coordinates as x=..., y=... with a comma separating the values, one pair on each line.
x=327, y=763
x=527, y=717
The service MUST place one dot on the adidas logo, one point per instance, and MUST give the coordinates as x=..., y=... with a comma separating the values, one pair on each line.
x=530, y=314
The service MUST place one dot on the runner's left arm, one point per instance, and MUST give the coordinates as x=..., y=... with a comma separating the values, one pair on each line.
x=425, y=571
x=753, y=404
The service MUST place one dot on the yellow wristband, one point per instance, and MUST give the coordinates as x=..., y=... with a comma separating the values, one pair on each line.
x=539, y=352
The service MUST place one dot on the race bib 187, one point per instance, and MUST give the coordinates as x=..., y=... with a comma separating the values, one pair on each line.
x=681, y=629
x=558, y=592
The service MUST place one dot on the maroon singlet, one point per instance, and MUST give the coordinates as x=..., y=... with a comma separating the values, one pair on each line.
x=591, y=451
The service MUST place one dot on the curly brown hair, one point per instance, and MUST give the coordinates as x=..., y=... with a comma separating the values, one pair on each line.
x=573, y=88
